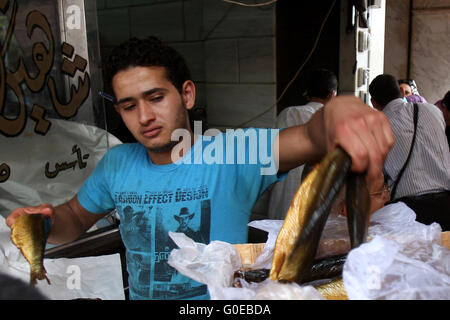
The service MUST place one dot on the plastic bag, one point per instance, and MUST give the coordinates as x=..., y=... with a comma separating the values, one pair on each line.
x=386, y=269
x=405, y=260
x=214, y=265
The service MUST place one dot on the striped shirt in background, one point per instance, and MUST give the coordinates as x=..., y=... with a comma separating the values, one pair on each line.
x=428, y=169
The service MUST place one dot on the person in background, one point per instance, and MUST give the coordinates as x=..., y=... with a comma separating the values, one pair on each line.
x=321, y=87
x=409, y=91
x=416, y=98
x=153, y=92
x=379, y=192
x=408, y=87
x=405, y=89
x=425, y=184
x=444, y=105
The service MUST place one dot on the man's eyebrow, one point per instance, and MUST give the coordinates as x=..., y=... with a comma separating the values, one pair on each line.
x=123, y=100
x=154, y=90
x=145, y=93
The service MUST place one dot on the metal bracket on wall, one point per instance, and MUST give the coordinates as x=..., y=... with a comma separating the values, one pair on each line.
x=363, y=40
x=362, y=76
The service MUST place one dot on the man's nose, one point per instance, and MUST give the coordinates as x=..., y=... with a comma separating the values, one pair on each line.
x=146, y=113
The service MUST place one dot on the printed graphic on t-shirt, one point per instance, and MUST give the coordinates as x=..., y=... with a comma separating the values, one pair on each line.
x=145, y=223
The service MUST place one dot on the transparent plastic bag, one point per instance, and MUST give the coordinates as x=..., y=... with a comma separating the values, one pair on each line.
x=214, y=265
x=404, y=259
x=389, y=270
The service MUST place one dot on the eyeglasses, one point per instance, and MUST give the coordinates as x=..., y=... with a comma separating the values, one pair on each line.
x=386, y=189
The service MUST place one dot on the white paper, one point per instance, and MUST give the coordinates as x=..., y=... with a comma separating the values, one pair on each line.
x=90, y=277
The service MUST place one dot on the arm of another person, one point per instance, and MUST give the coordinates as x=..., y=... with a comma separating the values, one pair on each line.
x=363, y=132
x=69, y=220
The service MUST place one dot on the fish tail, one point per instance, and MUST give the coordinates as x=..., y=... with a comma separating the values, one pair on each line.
x=358, y=207
x=38, y=274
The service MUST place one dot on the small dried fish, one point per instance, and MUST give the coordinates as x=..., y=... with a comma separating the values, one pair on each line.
x=29, y=233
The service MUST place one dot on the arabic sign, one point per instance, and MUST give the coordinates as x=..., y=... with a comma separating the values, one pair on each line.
x=51, y=123
x=64, y=166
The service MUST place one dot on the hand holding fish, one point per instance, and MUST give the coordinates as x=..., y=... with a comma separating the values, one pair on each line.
x=68, y=220
x=30, y=230
x=363, y=132
x=29, y=233
x=44, y=209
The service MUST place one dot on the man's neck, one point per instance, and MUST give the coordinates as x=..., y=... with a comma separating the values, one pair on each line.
x=319, y=100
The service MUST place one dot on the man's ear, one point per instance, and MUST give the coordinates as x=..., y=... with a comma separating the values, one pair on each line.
x=188, y=94
x=332, y=94
x=376, y=105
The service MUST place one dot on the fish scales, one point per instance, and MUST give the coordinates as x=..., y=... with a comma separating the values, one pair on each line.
x=333, y=290
x=297, y=242
x=29, y=233
x=358, y=206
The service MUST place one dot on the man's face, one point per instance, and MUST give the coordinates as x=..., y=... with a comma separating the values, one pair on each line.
x=184, y=223
x=150, y=105
x=405, y=89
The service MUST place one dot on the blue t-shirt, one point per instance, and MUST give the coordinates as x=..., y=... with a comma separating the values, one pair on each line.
x=208, y=195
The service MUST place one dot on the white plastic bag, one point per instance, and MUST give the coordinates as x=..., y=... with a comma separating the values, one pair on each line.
x=386, y=269
x=214, y=265
x=404, y=260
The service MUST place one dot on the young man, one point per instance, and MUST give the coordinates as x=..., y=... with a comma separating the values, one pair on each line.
x=425, y=183
x=156, y=178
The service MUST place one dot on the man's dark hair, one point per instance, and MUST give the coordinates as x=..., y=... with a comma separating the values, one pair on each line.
x=147, y=52
x=446, y=100
x=321, y=83
x=384, y=88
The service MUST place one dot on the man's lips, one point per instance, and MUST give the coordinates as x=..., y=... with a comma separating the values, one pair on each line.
x=151, y=132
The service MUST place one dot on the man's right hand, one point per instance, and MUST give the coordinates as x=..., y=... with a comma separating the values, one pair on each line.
x=45, y=209
x=73, y=220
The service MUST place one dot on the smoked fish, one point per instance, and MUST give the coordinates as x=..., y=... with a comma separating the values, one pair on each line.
x=298, y=239
x=333, y=290
x=29, y=233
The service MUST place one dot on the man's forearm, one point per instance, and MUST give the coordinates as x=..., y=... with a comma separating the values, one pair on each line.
x=66, y=227
x=71, y=221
